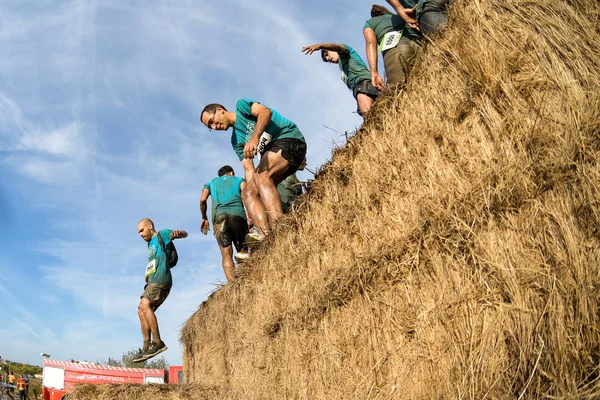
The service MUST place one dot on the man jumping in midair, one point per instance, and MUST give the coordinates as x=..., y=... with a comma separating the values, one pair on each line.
x=158, y=285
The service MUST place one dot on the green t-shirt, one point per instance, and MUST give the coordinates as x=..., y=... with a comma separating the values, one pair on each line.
x=419, y=9
x=279, y=127
x=157, y=270
x=288, y=190
x=226, y=196
x=388, y=23
x=353, y=68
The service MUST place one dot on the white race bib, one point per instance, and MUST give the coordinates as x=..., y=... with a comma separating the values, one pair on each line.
x=389, y=41
x=151, y=267
x=263, y=141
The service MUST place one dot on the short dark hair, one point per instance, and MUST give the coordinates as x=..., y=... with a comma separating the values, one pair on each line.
x=211, y=108
x=323, y=55
x=378, y=10
x=225, y=170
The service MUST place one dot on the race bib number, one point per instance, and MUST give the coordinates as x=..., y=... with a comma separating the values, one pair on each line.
x=151, y=267
x=389, y=41
x=263, y=141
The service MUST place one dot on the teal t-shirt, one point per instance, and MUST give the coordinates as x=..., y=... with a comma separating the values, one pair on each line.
x=353, y=68
x=419, y=9
x=279, y=127
x=157, y=270
x=388, y=23
x=226, y=198
x=288, y=190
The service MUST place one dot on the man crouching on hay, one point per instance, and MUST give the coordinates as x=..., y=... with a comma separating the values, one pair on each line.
x=162, y=256
x=260, y=130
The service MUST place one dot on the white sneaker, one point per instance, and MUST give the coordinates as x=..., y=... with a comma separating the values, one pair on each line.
x=241, y=256
x=254, y=238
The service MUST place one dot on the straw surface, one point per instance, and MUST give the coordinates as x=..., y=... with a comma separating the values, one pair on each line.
x=451, y=249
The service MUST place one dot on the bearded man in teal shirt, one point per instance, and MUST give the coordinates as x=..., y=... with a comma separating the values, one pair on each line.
x=260, y=131
x=158, y=285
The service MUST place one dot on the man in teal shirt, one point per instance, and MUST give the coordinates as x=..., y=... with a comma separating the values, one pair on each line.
x=158, y=285
x=429, y=16
x=398, y=43
x=355, y=73
x=228, y=216
x=260, y=130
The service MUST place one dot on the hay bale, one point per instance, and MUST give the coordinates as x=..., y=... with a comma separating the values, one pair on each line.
x=143, y=392
x=451, y=249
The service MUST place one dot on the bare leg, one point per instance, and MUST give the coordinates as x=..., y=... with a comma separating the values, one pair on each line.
x=255, y=206
x=150, y=319
x=145, y=327
x=364, y=104
x=269, y=174
x=228, y=266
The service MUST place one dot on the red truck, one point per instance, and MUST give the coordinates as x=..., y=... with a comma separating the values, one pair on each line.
x=60, y=377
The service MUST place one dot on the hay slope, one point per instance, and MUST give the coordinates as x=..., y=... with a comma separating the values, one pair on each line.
x=451, y=249
x=150, y=392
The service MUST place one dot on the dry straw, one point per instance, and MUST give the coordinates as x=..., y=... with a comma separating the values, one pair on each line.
x=451, y=249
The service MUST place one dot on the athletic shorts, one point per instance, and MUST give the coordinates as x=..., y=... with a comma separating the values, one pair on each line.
x=366, y=87
x=156, y=294
x=230, y=229
x=293, y=150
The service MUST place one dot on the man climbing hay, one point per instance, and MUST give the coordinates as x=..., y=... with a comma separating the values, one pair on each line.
x=228, y=216
x=260, y=130
x=355, y=73
x=158, y=284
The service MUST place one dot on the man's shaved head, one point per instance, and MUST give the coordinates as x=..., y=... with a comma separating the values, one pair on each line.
x=145, y=229
x=145, y=221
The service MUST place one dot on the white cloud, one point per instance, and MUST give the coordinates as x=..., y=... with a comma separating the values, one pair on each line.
x=64, y=141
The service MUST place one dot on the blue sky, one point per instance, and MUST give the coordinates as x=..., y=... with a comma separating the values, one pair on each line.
x=99, y=127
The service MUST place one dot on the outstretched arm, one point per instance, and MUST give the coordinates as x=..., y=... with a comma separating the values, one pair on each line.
x=338, y=48
x=371, y=41
x=178, y=234
x=407, y=14
x=263, y=117
x=204, y=225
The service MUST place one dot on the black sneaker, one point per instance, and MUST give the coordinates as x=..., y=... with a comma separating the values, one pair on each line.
x=139, y=357
x=155, y=348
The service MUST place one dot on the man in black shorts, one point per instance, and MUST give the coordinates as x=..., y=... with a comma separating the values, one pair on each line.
x=355, y=73
x=279, y=144
x=228, y=216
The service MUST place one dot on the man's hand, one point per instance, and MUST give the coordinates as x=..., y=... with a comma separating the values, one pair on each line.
x=204, y=226
x=178, y=234
x=409, y=17
x=377, y=80
x=250, y=148
x=308, y=50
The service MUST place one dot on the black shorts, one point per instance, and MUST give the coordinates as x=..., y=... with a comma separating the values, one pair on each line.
x=366, y=87
x=230, y=229
x=293, y=150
